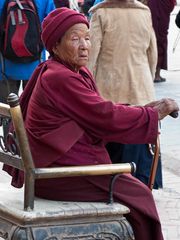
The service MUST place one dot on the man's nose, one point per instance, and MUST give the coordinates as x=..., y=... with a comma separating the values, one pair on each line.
x=83, y=44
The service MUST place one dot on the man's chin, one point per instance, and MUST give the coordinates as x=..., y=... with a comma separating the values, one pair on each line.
x=83, y=63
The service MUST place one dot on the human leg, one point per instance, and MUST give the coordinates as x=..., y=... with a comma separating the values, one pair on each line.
x=158, y=78
x=24, y=83
x=6, y=87
x=160, y=11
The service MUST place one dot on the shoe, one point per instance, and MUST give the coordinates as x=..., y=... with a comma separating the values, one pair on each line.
x=159, y=80
x=163, y=79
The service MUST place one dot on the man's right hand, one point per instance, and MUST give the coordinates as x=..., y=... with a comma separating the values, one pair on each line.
x=164, y=107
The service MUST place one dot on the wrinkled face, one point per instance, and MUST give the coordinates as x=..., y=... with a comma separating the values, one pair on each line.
x=74, y=46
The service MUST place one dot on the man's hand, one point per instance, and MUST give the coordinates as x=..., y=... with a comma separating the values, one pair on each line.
x=164, y=107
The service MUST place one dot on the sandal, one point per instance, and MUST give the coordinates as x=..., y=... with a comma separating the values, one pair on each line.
x=159, y=80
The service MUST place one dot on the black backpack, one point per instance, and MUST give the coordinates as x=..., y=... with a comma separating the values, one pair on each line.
x=20, y=31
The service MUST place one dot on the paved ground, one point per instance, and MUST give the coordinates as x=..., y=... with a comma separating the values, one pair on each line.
x=167, y=199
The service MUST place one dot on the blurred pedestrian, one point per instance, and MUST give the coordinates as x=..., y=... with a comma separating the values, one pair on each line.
x=87, y=4
x=13, y=73
x=123, y=61
x=61, y=3
x=73, y=4
x=161, y=11
x=17, y=72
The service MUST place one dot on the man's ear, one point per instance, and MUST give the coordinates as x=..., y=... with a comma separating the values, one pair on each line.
x=54, y=50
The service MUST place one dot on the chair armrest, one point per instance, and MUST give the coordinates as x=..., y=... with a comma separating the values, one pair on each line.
x=71, y=171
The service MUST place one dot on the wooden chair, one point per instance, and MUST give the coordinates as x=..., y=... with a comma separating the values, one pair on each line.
x=33, y=218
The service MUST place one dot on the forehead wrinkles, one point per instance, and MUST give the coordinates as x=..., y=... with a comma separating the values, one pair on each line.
x=77, y=29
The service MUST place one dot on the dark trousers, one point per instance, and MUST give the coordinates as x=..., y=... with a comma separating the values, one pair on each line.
x=10, y=86
x=140, y=154
x=7, y=87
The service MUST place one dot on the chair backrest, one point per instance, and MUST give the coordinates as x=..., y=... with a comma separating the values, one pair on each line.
x=15, y=152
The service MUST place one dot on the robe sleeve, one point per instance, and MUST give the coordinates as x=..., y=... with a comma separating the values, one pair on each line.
x=78, y=99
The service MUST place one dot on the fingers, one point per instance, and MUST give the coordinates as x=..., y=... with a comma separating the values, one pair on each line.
x=154, y=103
x=165, y=107
x=157, y=102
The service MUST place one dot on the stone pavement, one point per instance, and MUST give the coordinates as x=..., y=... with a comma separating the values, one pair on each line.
x=168, y=198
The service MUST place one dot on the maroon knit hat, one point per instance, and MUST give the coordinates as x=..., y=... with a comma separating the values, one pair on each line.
x=57, y=23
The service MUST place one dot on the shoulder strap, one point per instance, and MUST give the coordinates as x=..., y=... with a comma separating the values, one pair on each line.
x=19, y=4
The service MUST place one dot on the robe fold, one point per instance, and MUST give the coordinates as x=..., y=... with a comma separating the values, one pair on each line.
x=68, y=123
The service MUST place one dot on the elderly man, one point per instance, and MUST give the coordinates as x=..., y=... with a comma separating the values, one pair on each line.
x=67, y=123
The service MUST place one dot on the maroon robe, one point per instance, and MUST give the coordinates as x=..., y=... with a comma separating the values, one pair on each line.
x=160, y=10
x=67, y=124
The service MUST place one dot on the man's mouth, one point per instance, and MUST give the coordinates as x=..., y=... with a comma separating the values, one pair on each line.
x=83, y=57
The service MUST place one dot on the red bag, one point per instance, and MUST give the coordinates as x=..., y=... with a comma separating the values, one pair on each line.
x=20, y=33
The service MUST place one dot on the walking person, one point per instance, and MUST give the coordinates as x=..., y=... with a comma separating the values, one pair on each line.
x=11, y=72
x=62, y=3
x=73, y=4
x=14, y=71
x=161, y=11
x=123, y=61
